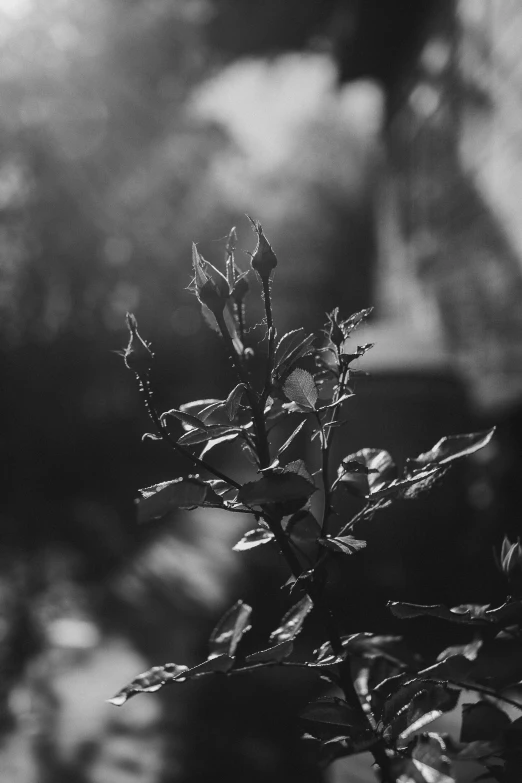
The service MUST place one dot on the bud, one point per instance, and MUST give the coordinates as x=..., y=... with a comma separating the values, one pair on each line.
x=264, y=260
x=511, y=563
x=137, y=355
x=209, y=285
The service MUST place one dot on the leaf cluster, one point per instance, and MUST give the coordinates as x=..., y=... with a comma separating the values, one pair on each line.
x=379, y=696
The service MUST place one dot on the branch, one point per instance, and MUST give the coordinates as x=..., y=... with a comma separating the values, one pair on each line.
x=164, y=434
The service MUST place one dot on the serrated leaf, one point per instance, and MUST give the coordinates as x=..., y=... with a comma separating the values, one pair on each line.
x=229, y=631
x=149, y=682
x=252, y=539
x=275, y=488
x=450, y=448
x=233, y=400
x=483, y=721
x=298, y=467
x=187, y=419
x=300, y=388
x=290, y=439
x=292, y=622
x=345, y=545
x=277, y=653
x=160, y=499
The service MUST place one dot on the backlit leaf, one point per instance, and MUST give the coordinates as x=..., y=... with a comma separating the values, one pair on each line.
x=345, y=545
x=253, y=538
x=367, y=471
x=213, y=442
x=233, y=400
x=187, y=419
x=160, y=499
x=300, y=388
x=449, y=449
x=230, y=629
x=149, y=682
x=292, y=622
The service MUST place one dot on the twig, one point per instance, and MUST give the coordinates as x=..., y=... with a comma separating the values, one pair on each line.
x=164, y=434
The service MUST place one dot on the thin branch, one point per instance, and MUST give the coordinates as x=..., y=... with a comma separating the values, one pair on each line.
x=263, y=451
x=271, y=338
x=164, y=434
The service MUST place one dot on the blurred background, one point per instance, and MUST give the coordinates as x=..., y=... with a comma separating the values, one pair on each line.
x=380, y=146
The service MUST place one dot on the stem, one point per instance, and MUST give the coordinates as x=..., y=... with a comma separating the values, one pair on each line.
x=257, y=407
x=326, y=442
x=486, y=691
x=164, y=434
x=325, y=454
x=271, y=338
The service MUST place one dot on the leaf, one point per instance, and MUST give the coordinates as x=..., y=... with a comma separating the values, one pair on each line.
x=149, y=682
x=219, y=663
x=333, y=711
x=346, y=545
x=450, y=448
x=467, y=613
x=233, y=400
x=277, y=653
x=351, y=323
x=429, y=757
x=286, y=344
x=299, y=468
x=367, y=471
x=289, y=440
x=229, y=631
x=195, y=407
x=253, y=538
x=483, y=721
x=213, y=442
x=289, y=352
x=415, y=704
x=425, y=481
x=362, y=644
x=160, y=499
x=275, y=488
x=304, y=531
x=300, y=388
x=195, y=436
x=292, y=622
x=187, y=419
